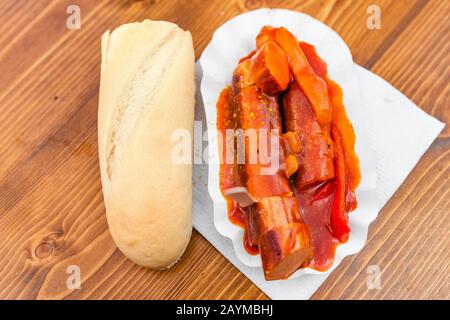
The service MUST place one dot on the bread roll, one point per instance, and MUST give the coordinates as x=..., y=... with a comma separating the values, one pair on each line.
x=147, y=91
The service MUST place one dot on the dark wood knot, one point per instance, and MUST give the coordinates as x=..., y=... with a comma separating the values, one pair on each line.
x=255, y=4
x=44, y=249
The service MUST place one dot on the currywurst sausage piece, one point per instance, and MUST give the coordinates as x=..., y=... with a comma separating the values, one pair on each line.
x=276, y=226
x=316, y=157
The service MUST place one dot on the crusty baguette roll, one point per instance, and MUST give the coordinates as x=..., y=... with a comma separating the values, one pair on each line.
x=147, y=91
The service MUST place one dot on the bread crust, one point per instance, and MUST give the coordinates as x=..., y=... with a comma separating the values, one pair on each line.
x=147, y=91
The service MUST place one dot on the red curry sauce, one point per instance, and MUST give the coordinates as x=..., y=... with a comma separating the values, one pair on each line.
x=314, y=201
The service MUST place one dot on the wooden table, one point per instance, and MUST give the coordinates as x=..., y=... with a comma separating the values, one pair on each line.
x=51, y=207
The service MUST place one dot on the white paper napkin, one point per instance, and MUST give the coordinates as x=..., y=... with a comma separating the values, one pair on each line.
x=400, y=133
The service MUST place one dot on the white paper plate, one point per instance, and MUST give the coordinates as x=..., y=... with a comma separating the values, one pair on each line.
x=235, y=39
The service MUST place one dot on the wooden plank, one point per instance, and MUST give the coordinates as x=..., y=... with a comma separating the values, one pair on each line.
x=51, y=208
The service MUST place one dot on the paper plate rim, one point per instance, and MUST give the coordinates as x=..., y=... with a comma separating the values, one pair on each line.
x=367, y=190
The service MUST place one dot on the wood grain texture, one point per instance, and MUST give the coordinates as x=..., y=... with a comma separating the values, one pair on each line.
x=51, y=208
